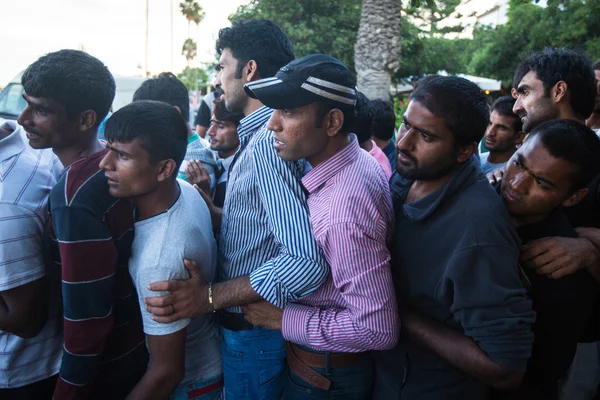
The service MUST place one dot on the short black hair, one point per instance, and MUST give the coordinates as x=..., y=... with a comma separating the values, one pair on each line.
x=364, y=118
x=168, y=88
x=573, y=142
x=575, y=69
x=161, y=128
x=459, y=102
x=384, y=119
x=258, y=40
x=504, y=106
x=74, y=79
x=596, y=66
x=223, y=114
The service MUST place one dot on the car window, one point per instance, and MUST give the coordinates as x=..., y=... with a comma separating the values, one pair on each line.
x=11, y=101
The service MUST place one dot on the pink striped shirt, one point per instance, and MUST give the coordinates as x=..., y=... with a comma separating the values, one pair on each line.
x=352, y=218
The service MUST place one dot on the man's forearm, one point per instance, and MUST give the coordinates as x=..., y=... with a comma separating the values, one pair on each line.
x=156, y=384
x=236, y=292
x=458, y=350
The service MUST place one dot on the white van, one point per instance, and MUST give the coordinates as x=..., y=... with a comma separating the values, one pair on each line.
x=12, y=102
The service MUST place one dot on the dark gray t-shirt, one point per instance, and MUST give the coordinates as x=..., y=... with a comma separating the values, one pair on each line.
x=160, y=245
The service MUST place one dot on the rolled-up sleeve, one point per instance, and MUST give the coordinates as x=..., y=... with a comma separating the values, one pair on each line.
x=489, y=301
x=299, y=268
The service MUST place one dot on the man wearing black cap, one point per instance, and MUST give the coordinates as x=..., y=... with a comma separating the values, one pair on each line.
x=330, y=331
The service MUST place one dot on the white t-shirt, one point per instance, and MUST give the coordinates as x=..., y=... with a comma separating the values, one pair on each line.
x=160, y=245
x=487, y=166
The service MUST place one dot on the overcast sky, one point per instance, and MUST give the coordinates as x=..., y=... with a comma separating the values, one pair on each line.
x=112, y=30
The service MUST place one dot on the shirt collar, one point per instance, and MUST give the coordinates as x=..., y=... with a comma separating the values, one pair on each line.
x=323, y=172
x=12, y=144
x=254, y=121
x=193, y=138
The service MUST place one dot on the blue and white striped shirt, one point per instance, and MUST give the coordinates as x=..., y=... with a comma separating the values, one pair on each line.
x=266, y=230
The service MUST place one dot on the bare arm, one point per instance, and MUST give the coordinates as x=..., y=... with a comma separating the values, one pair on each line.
x=190, y=297
x=166, y=369
x=593, y=235
x=459, y=350
x=23, y=310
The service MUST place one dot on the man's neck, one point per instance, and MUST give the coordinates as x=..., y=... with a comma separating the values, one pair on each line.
x=499, y=157
x=380, y=142
x=158, y=201
x=367, y=145
x=227, y=154
x=518, y=221
x=593, y=122
x=70, y=154
x=335, y=145
x=420, y=189
x=252, y=106
x=567, y=113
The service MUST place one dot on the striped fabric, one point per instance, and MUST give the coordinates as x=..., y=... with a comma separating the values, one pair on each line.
x=352, y=217
x=91, y=234
x=26, y=178
x=266, y=229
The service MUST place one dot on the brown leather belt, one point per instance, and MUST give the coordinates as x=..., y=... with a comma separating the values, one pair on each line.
x=234, y=321
x=301, y=363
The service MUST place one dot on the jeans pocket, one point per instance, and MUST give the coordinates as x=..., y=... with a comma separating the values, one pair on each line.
x=271, y=365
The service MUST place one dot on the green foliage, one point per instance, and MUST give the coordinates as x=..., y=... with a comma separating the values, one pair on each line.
x=192, y=75
x=428, y=13
x=400, y=106
x=313, y=26
x=189, y=49
x=563, y=23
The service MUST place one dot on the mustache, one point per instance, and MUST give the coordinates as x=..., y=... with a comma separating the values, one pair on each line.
x=408, y=155
x=29, y=129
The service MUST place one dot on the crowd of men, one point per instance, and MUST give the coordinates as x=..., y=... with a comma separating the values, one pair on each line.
x=288, y=248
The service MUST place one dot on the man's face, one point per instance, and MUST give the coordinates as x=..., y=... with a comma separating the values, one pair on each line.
x=233, y=88
x=223, y=136
x=425, y=145
x=46, y=123
x=532, y=105
x=297, y=136
x=128, y=169
x=535, y=182
x=500, y=135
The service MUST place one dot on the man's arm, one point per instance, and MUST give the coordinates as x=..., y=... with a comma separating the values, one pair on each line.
x=166, y=369
x=202, y=121
x=560, y=256
x=458, y=350
x=22, y=271
x=487, y=299
x=89, y=259
x=593, y=235
x=360, y=270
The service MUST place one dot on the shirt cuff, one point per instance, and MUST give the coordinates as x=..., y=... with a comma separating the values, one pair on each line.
x=294, y=326
x=265, y=283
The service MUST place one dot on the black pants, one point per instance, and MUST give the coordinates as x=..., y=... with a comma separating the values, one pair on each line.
x=41, y=390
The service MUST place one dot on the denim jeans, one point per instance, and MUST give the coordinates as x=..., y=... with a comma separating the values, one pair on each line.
x=207, y=387
x=349, y=383
x=253, y=364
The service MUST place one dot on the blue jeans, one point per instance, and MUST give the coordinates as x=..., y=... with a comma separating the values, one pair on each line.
x=253, y=364
x=207, y=387
x=349, y=383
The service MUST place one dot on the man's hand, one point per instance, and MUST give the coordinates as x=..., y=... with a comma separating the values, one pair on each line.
x=559, y=256
x=495, y=176
x=263, y=314
x=198, y=175
x=188, y=298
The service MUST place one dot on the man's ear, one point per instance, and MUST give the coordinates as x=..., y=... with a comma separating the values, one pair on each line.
x=575, y=198
x=166, y=170
x=251, y=71
x=465, y=152
x=335, y=122
x=559, y=91
x=519, y=139
x=86, y=120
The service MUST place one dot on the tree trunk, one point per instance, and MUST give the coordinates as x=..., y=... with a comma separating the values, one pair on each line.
x=377, y=49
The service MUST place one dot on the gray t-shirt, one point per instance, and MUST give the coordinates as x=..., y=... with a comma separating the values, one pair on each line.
x=487, y=166
x=159, y=247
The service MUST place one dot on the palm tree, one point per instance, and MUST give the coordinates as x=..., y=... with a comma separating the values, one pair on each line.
x=189, y=50
x=192, y=11
x=377, y=48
